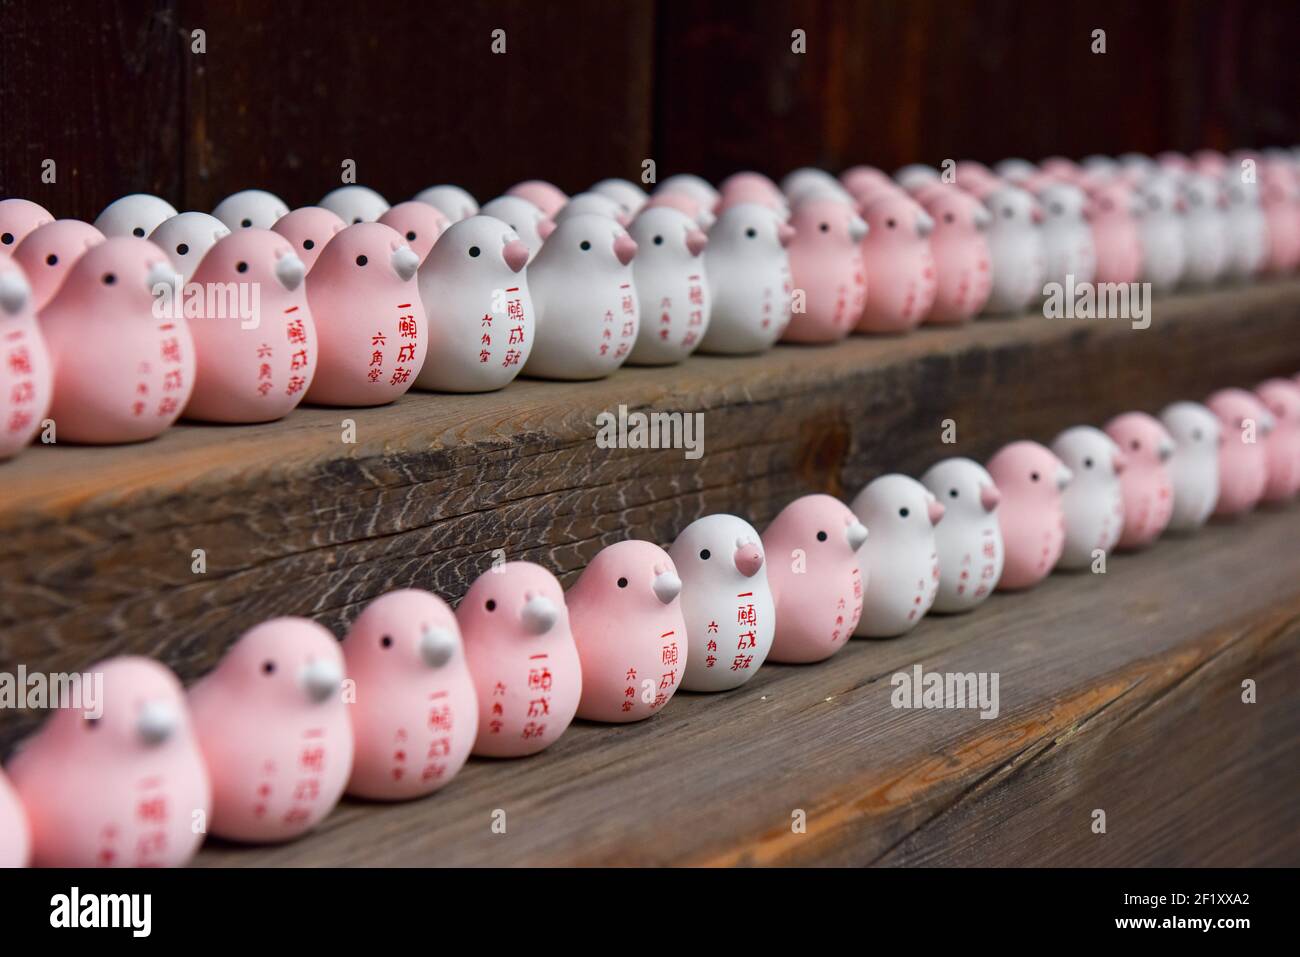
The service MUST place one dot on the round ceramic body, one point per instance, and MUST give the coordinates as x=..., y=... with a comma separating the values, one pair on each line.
x=1016, y=250
x=629, y=196
x=809, y=180
x=671, y=285
x=124, y=787
x=482, y=323
x=273, y=725
x=748, y=270
x=250, y=209
x=530, y=224
x=1164, y=256
x=1147, y=489
x=826, y=267
x=255, y=362
x=1068, y=247
x=15, y=832
x=961, y=254
x=812, y=569
x=123, y=361
x=26, y=372
x=697, y=187
x=726, y=602
x=308, y=229
x=1282, y=445
x=900, y=560
x=588, y=314
x=1113, y=215
x=1093, y=503
x=370, y=322
x=452, y=201
x=420, y=224
x=969, y=539
x=355, y=204
x=1031, y=480
x=186, y=239
x=1194, y=466
x=899, y=265
x=1280, y=195
x=136, y=215
x=521, y=654
x=1245, y=227
x=628, y=627
x=415, y=714
x=593, y=204
x=1243, y=461
x=1204, y=230
x=18, y=217
x=48, y=253
x=550, y=199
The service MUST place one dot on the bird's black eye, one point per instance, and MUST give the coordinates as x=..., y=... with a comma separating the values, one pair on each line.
x=825, y=227
x=891, y=223
x=1087, y=463
x=1033, y=476
x=241, y=267
x=1196, y=435
x=584, y=245
x=1135, y=445
x=362, y=260
x=904, y=512
x=356, y=219
x=659, y=240
x=474, y=251
x=947, y=217
x=622, y=583
x=952, y=493
x=751, y=232
x=704, y=554
x=1057, y=209
x=138, y=231
x=410, y=235
x=51, y=260
x=1008, y=212
x=246, y=223
x=309, y=244
x=491, y=604
x=821, y=536
x=182, y=249
x=109, y=279
x=268, y=667
x=7, y=239
x=92, y=723
x=386, y=641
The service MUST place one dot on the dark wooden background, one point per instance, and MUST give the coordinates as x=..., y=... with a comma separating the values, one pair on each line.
x=590, y=88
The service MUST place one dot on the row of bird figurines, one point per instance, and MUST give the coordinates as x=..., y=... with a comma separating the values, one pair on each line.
x=262, y=748
x=149, y=315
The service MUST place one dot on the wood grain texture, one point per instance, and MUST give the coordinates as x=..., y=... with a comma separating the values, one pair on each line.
x=1119, y=691
x=96, y=544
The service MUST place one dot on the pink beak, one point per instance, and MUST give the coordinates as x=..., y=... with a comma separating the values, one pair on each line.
x=516, y=255
x=1121, y=463
x=990, y=497
x=935, y=510
x=624, y=248
x=545, y=227
x=1037, y=216
x=696, y=241
x=623, y=219
x=748, y=560
x=785, y=233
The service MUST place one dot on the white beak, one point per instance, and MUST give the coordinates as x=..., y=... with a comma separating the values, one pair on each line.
x=437, y=646
x=290, y=270
x=156, y=723
x=667, y=587
x=857, y=534
x=540, y=615
x=14, y=292
x=405, y=262
x=320, y=679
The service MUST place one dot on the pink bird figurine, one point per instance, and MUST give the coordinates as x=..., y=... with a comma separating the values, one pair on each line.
x=122, y=372
x=521, y=653
x=26, y=372
x=308, y=229
x=1031, y=480
x=1113, y=212
x=1282, y=446
x=812, y=550
x=273, y=725
x=1243, y=461
x=547, y=197
x=370, y=322
x=631, y=637
x=256, y=368
x=118, y=782
x=960, y=251
x=1280, y=196
x=826, y=265
x=1145, y=483
x=15, y=832
x=18, y=217
x=900, y=267
x=751, y=187
x=418, y=223
x=415, y=716
x=49, y=252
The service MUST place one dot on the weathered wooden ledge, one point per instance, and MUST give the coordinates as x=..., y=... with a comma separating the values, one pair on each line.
x=96, y=544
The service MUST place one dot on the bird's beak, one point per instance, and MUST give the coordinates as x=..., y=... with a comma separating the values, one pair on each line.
x=1120, y=463
x=934, y=509
x=706, y=219
x=539, y=615
x=982, y=219
x=515, y=254
x=14, y=292
x=1165, y=450
x=320, y=679
x=990, y=496
x=624, y=248
x=545, y=227
x=696, y=241
x=857, y=229
x=157, y=722
x=667, y=586
x=924, y=225
x=161, y=274
x=1036, y=216
x=405, y=262
x=437, y=646
x=1063, y=478
x=748, y=559
x=623, y=219
x=290, y=270
x=856, y=533
x=784, y=233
